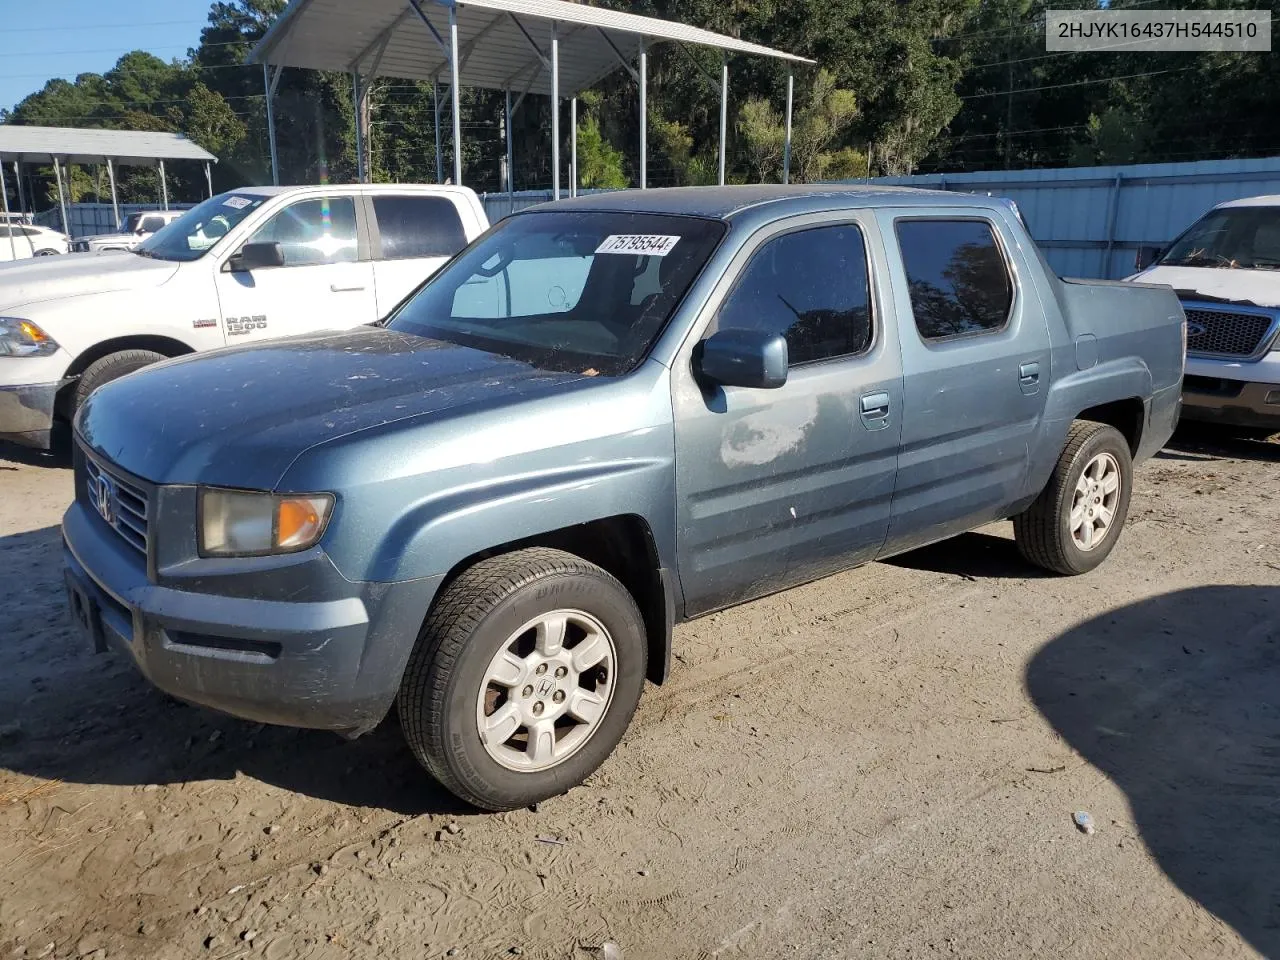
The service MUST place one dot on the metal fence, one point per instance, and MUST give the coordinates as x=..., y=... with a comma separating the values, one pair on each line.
x=1090, y=220
x=499, y=205
x=88, y=219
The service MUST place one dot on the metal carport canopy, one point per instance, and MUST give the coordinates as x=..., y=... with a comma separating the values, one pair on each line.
x=74, y=145
x=551, y=47
x=60, y=146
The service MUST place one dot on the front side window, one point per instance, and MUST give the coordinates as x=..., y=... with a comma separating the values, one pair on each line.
x=587, y=291
x=810, y=286
x=418, y=226
x=1244, y=238
x=198, y=230
x=312, y=232
x=957, y=277
x=152, y=224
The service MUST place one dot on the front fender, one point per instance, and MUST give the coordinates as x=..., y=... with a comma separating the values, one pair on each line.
x=434, y=535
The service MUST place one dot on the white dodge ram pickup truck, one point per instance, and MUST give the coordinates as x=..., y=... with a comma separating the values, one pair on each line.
x=245, y=265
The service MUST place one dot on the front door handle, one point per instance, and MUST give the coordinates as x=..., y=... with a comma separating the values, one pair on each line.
x=338, y=288
x=875, y=410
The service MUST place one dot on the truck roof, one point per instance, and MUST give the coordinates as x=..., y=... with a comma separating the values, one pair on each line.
x=725, y=202
x=270, y=191
x=1269, y=201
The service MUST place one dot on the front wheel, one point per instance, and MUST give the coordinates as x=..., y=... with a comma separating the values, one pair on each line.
x=1075, y=522
x=524, y=678
x=111, y=367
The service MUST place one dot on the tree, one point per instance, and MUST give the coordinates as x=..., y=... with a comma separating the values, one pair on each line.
x=818, y=128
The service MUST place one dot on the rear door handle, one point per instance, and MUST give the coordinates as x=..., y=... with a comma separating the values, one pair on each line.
x=875, y=410
x=338, y=288
x=1029, y=373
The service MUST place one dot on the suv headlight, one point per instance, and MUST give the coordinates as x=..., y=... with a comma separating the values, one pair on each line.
x=242, y=523
x=22, y=338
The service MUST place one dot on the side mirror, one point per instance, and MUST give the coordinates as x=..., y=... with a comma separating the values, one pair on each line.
x=255, y=256
x=744, y=358
x=1147, y=255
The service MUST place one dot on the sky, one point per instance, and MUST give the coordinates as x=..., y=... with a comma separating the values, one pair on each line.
x=62, y=38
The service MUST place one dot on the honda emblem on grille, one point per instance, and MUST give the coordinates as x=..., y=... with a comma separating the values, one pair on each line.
x=104, y=496
x=1196, y=329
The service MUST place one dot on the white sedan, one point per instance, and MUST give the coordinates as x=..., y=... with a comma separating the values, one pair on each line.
x=21, y=241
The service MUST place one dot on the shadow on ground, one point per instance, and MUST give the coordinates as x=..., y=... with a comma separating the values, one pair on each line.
x=977, y=556
x=12, y=453
x=1177, y=700
x=1204, y=441
x=69, y=714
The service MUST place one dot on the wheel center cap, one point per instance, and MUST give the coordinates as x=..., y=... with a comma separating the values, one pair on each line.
x=546, y=686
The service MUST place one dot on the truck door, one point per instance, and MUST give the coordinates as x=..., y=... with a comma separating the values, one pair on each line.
x=414, y=235
x=326, y=282
x=775, y=487
x=975, y=351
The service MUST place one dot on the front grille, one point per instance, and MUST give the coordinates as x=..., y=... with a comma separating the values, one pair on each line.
x=124, y=506
x=1224, y=334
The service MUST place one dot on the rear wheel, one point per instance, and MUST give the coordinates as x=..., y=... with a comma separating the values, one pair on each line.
x=1074, y=524
x=111, y=367
x=524, y=678
x=46, y=253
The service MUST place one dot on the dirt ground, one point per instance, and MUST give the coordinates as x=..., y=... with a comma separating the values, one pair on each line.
x=884, y=764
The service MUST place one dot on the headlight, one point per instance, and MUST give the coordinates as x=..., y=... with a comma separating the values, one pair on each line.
x=238, y=523
x=22, y=338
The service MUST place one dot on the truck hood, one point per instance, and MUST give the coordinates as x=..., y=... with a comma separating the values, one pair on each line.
x=238, y=417
x=76, y=274
x=128, y=237
x=1260, y=288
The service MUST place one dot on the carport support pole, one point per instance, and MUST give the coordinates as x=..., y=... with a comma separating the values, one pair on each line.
x=271, y=123
x=208, y=178
x=8, y=224
x=644, y=116
x=115, y=203
x=555, y=108
x=786, y=146
x=724, y=114
x=573, y=150
x=22, y=194
x=62, y=200
x=164, y=187
x=457, y=94
x=435, y=98
x=511, y=164
x=357, y=100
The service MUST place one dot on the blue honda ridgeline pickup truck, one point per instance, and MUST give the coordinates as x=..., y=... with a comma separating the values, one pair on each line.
x=605, y=416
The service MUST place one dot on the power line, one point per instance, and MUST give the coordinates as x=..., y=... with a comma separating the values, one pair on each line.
x=111, y=26
x=1074, y=83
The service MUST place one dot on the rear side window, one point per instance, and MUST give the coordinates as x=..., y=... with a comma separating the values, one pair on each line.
x=811, y=286
x=152, y=224
x=418, y=227
x=956, y=275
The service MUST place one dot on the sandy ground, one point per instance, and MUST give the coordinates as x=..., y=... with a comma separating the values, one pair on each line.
x=883, y=764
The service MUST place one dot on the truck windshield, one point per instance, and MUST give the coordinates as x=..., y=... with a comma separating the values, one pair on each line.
x=200, y=229
x=565, y=290
x=1245, y=238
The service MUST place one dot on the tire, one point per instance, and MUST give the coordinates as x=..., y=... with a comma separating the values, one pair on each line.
x=111, y=367
x=46, y=253
x=1044, y=532
x=446, y=688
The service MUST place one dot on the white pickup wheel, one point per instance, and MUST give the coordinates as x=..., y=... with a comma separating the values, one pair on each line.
x=524, y=678
x=111, y=367
x=1074, y=524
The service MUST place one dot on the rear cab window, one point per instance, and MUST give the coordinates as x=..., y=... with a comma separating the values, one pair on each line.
x=414, y=226
x=958, y=279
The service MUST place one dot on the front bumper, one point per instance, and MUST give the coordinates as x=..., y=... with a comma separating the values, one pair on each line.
x=1233, y=393
x=26, y=413
x=331, y=664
